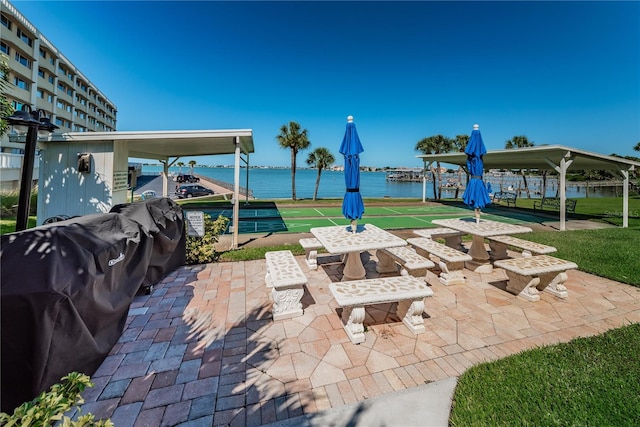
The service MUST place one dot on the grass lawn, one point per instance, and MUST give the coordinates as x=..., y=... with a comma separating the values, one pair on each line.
x=591, y=381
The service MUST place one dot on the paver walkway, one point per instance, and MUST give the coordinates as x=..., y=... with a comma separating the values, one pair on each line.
x=202, y=349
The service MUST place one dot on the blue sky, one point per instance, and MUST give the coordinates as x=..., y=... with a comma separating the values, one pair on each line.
x=558, y=72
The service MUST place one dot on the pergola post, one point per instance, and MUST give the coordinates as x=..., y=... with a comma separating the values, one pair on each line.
x=236, y=194
x=625, y=199
x=565, y=162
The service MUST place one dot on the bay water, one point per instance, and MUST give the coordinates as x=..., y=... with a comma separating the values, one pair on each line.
x=275, y=183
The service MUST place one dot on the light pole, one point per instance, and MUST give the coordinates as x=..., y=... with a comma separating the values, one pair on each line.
x=33, y=123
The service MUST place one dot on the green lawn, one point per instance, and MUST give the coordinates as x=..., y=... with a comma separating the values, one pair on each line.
x=591, y=381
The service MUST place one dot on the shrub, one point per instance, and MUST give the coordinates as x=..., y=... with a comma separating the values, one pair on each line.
x=50, y=406
x=201, y=250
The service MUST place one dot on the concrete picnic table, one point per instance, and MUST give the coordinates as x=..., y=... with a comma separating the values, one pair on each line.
x=340, y=239
x=479, y=230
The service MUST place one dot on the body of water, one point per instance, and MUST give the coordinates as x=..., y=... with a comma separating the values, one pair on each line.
x=276, y=184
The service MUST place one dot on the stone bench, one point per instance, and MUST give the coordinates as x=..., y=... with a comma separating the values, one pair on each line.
x=311, y=246
x=408, y=291
x=409, y=260
x=452, y=238
x=528, y=275
x=450, y=261
x=498, y=245
x=286, y=278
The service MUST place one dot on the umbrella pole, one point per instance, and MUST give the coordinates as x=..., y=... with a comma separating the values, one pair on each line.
x=477, y=216
x=354, y=226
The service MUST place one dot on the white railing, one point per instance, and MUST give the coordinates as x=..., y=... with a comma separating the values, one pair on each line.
x=14, y=161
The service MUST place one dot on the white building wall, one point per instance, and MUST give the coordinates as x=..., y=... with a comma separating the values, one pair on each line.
x=63, y=190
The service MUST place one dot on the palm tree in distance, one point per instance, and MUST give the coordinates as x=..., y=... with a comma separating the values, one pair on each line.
x=295, y=139
x=522, y=141
x=436, y=144
x=192, y=163
x=180, y=165
x=637, y=147
x=320, y=158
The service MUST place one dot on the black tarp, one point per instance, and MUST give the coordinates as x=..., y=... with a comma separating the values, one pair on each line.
x=66, y=290
x=163, y=219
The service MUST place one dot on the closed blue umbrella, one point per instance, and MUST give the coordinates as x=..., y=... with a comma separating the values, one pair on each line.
x=476, y=195
x=352, y=206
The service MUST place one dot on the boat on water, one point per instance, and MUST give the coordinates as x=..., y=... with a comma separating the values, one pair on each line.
x=408, y=175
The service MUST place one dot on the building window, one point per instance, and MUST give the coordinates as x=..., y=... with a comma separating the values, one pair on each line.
x=5, y=21
x=23, y=60
x=41, y=72
x=43, y=53
x=5, y=48
x=40, y=94
x=50, y=98
x=51, y=79
x=25, y=37
x=17, y=105
x=21, y=83
x=58, y=121
x=69, y=91
x=60, y=105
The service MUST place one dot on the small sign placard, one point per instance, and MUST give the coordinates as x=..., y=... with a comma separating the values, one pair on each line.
x=195, y=223
x=120, y=180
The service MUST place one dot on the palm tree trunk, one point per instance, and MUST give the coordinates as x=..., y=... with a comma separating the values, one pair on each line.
x=439, y=182
x=293, y=174
x=524, y=180
x=315, y=192
x=435, y=185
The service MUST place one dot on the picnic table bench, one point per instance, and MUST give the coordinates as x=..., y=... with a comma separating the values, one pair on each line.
x=554, y=203
x=311, y=246
x=450, y=261
x=452, y=238
x=528, y=275
x=408, y=291
x=505, y=196
x=287, y=279
x=498, y=245
x=407, y=258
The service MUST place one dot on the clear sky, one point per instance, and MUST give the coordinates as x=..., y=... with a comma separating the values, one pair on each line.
x=558, y=72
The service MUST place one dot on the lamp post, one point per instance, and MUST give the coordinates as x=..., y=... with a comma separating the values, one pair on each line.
x=34, y=123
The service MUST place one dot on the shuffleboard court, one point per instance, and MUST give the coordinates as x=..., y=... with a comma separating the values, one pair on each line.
x=268, y=218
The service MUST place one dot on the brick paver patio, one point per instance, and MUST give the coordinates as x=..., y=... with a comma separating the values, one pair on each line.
x=202, y=349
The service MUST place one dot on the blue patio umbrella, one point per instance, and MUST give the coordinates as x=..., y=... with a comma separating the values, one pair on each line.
x=476, y=195
x=352, y=206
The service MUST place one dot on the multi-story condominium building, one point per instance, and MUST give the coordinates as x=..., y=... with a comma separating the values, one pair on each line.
x=42, y=77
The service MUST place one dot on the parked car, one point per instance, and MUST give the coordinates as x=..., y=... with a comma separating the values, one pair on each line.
x=192, y=190
x=187, y=178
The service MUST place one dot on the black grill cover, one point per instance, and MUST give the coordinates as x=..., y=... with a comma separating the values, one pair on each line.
x=66, y=290
x=162, y=218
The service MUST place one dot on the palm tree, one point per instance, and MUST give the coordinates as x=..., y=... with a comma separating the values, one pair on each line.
x=436, y=144
x=180, y=165
x=637, y=147
x=295, y=139
x=320, y=158
x=192, y=163
x=522, y=141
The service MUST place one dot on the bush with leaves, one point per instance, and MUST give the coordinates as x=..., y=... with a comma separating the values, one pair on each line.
x=50, y=406
x=201, y=250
